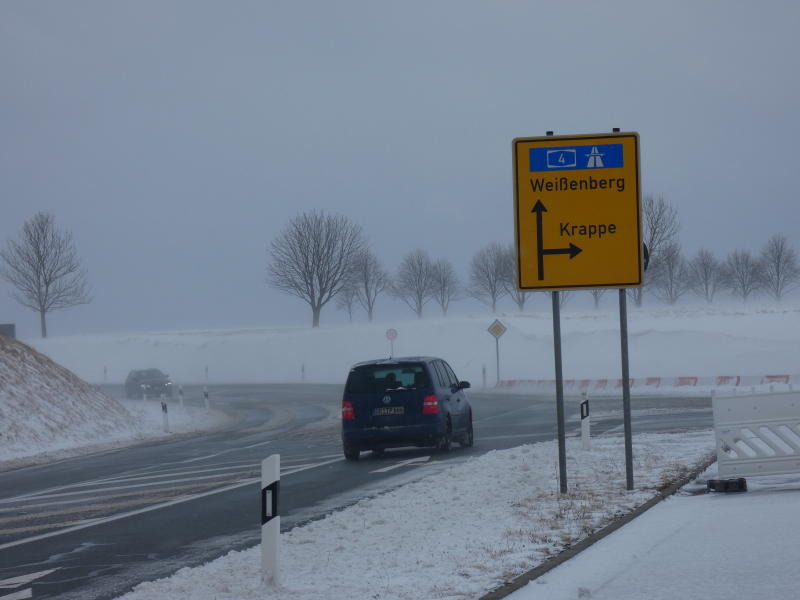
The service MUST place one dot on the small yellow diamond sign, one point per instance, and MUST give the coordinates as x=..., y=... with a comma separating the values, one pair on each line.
x=577, y=211
x=497, y=329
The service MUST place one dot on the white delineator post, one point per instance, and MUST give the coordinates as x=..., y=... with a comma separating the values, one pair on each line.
x=205, y=396
x=270, y=519
x=165, y=414
x=180, y=395
x=586, y=442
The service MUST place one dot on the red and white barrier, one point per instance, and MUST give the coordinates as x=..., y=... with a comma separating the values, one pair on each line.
x=652, y=383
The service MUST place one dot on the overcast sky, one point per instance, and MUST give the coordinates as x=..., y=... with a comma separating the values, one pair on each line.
x=175, y=139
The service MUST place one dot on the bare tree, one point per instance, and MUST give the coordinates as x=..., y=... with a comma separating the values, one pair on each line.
x=742, y=274
x=414, y=281
x=705, y=274
x=369, y=280
x=779, y=268
x=486, y=275
x=661, y=226
x=671, y=277
x=510, y=276
x=445, y=284
x=44, y=268
x=346, y=300
x=313, y=256
x=596, y=295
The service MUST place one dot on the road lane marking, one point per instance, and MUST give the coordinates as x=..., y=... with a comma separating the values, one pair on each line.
x=21, y=595
x=221, y=452
x=162, y=474
x=24, y=579
x=181, y=500
x=412, y=462
x=113, y=488
x=58, y=499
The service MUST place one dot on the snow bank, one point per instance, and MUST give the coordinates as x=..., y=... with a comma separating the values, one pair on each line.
x=47, y=412
x=45, y=407
x=454, y=534
x=663, y=342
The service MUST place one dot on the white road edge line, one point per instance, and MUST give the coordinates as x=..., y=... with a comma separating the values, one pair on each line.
x=405, y=463
x=140, y=511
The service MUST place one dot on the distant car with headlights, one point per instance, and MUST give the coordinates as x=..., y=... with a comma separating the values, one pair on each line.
x=412, y=401
x=147, y=381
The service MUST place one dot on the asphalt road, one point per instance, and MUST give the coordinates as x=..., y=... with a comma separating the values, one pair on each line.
x=92, y=527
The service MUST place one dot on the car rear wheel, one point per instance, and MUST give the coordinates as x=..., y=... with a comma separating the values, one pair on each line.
x=351, y=452
x=446, y=439
x=468, y=438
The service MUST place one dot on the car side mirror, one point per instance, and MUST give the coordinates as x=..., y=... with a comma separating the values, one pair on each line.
x=462, y=385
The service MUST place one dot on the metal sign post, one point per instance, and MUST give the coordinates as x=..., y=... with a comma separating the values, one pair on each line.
x=562, y=442
x=497, y=329
x=626, y=388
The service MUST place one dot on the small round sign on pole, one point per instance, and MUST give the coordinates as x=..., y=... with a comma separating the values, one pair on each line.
x=391, y=335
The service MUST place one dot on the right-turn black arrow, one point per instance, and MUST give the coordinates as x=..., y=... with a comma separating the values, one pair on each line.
x=573, y=250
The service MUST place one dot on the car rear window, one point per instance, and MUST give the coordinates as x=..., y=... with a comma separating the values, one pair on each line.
x=375, y=379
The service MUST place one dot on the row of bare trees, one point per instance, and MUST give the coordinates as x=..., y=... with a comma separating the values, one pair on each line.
x=320, y=257
x=774, y=272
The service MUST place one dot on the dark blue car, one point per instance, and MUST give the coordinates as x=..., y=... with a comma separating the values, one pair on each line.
x=412, y=401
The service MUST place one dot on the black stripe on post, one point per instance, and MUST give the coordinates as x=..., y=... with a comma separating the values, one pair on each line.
x=269, y=502
x=584, y=409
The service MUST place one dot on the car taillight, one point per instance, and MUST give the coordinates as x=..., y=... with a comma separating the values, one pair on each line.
x=430, y=405
x=348, y=414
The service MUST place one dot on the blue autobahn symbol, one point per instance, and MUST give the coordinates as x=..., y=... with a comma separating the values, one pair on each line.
x=573, y=158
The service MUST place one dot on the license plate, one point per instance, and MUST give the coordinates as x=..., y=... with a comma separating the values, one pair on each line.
x=388, y=410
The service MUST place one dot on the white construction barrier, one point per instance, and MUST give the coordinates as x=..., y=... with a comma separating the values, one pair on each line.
x=270, y=518
x=757, y=435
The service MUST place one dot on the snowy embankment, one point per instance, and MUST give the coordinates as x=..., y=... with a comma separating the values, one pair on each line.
x=693, y=341
x=47, y=412
x=455, y=534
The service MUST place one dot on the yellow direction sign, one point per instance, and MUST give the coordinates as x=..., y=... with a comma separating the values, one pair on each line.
x=577, y=211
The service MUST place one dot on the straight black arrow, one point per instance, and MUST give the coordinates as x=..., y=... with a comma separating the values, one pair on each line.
x=539, y=208
x=573, y=250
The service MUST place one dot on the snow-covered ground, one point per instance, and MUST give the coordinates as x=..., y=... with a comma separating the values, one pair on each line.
x=48, y=413
x=664, y=342
x=454, y=534
x=468, y=528
x=691, y=546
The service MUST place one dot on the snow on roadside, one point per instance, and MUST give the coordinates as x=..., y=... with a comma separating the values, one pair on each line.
x=455, y=534
x=48, y=413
